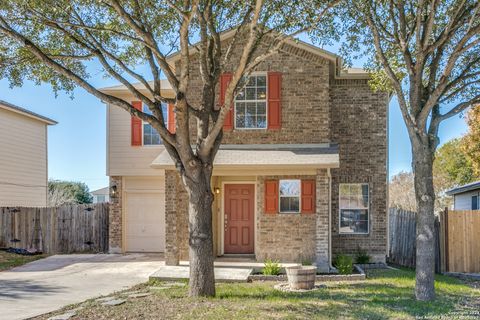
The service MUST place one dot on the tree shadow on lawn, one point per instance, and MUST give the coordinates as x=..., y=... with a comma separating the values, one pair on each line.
x=384, y=295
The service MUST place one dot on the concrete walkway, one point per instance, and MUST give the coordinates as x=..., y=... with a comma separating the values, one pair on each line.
x=175, y=273
x=49, y=284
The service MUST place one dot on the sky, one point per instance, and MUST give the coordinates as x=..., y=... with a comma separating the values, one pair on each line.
x=77, y=144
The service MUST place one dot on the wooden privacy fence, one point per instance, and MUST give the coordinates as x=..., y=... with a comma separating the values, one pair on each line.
x=402, y=239
x=462, y=245
x=66, y=229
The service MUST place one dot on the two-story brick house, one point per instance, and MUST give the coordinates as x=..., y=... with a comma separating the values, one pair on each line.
x=301, y=174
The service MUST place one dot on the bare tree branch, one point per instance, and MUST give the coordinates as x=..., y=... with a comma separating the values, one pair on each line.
x=460, y=108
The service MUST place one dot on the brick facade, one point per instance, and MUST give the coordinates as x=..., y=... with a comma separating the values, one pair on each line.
x=359, y=126
x=288, y=237
x=176, y=217
x=115, y=217
x=316, y=108
x=305, y=99
x=283, y=236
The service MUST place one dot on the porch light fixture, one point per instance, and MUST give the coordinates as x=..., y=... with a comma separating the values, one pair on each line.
x=113, y=191
x=216, y=190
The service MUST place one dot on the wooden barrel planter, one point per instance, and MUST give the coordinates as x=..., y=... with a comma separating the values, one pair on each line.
x=301, y=277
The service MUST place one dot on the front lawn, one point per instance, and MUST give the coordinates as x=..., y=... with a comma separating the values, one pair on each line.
x=11, y=260
x=386, y=294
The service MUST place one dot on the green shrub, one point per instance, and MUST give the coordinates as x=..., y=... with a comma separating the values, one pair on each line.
x=271, y=268
x=306, y=262
x=344, y=264
x=362, y=256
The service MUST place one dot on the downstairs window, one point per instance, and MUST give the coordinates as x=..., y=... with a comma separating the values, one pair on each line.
x=354, y=208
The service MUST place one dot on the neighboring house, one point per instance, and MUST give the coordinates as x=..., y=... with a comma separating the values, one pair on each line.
x=301, y=174
x=23, y=157
x=101, y=195
x=466, y=197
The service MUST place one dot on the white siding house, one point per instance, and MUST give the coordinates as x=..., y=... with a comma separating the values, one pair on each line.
x=101, y=195
x=466, y=197
x=23, y=157
x=142, y=191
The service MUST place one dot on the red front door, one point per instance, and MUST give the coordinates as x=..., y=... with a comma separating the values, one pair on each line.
x=239, y=218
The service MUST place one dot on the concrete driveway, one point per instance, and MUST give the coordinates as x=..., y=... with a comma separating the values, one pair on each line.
x=48, y=284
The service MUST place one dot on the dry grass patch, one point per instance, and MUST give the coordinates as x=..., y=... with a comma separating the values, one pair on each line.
x=386, y=294
x=12, y=260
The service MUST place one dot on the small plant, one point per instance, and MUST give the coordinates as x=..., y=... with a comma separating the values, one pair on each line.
x=344, y=264
x=362, y=256
x=306, y=262
x=271, y=268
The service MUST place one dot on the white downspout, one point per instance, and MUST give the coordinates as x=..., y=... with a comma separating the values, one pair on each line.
x=329, y=174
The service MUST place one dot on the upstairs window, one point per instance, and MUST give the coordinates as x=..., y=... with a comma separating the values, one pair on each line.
x=150, y=135
x=251, y=104
x=354, y=207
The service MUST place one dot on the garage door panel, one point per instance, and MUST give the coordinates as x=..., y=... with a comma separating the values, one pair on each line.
x=140, y=230
x=147, y=244
x=145, y=222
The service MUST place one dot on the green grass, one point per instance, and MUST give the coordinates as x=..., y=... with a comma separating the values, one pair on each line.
x=386, y=294
x=11, y=260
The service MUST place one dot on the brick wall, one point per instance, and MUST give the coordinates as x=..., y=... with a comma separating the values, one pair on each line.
x=283, y=236
x=115, y=217
x=176, y=219
x=305, y=98
x=316, y=109
x=291, y=236
x=359, y=126
x=321, y=233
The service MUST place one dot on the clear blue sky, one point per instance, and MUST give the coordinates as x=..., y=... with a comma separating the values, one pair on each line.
x=77, y=145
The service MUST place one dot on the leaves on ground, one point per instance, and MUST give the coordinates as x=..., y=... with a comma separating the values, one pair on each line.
x=386, y=294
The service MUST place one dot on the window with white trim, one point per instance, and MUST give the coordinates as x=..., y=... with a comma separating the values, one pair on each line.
x=289, y=196
x=150, y=135
x=474, y=202
x=251, y=104
x=354, y=208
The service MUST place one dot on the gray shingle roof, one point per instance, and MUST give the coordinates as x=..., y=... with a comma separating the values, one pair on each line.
x=267, y=156
x=12, y=107
x=465, y=188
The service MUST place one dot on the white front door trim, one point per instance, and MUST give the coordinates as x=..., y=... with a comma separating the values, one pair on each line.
x=221, y=246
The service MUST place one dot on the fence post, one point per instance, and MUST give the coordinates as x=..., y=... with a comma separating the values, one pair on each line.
x=447, y=262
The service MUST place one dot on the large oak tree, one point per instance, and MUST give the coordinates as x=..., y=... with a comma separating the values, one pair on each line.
x=55, y=41
x=427, y=52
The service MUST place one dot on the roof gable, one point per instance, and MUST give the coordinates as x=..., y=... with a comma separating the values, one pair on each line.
x=336, y=60
x=19, y=110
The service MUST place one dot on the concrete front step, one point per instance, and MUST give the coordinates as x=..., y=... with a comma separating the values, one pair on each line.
x=176, y=273
x=236, y=264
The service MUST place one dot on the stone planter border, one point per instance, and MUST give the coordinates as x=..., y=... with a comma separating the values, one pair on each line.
x=319, y=277
x=376, y=265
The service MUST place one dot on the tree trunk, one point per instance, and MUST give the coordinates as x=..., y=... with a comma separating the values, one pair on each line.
x=202, y=280
x=425, y=198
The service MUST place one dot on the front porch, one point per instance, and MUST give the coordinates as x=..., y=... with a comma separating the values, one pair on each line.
x=227, y=269
x=249, y=215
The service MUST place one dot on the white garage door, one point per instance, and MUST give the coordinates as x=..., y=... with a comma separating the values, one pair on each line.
x=145, y=225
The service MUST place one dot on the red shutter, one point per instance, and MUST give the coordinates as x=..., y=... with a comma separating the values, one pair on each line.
x=171, y=118
x=225, y=79
x=308, y=196
x=136, y=125
x=271, y=196
x=274, y=100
